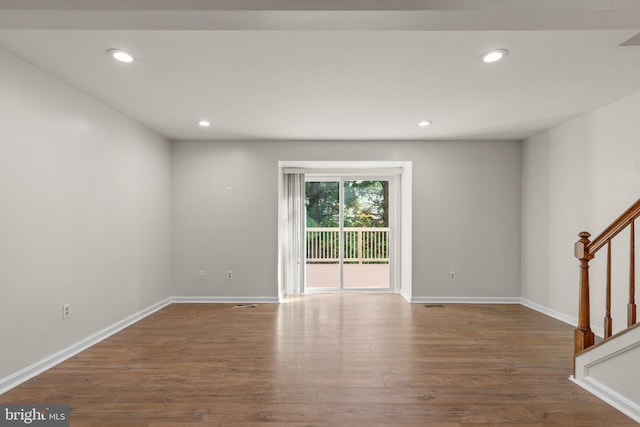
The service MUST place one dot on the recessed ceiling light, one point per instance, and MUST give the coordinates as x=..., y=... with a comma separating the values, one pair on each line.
x=204, y=123
x=120, y=55
x=495, y=55
x=424, y=123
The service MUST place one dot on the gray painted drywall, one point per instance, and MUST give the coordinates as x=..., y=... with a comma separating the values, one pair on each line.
x=84, y=215
x=87, y=197
x=466, y=213
x=579, y=176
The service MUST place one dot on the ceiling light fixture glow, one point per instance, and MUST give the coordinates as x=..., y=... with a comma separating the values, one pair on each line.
x=424, y=123
x=494, y=55
x=120, y=55
x=204, y=123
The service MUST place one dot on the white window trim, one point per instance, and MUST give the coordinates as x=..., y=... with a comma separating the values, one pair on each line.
x=402, y=169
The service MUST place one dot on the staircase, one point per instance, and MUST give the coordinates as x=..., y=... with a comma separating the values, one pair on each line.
x=609, y=369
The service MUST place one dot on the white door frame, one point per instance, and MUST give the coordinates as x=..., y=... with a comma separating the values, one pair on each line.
x=403, y=172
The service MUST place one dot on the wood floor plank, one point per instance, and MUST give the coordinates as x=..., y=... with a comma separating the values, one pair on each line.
x=351, y=359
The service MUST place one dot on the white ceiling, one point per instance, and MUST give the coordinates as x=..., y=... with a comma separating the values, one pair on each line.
x=270, y=72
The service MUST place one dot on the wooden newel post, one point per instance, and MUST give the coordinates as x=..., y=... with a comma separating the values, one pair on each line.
x=583, y=336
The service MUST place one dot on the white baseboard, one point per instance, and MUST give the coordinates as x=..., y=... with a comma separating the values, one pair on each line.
x=614, y=399
x=29, y=372
x=225, y=300
x=465, y=300
x=549, y=312
x=597, y=330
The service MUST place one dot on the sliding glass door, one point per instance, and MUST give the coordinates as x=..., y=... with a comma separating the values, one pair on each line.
x=348, y=233
x=322, y=234
x=366, y=234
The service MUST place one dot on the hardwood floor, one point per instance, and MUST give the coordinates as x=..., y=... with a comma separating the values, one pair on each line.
x=327, y=360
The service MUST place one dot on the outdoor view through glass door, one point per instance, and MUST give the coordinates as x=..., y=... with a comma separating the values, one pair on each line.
x=347, y=234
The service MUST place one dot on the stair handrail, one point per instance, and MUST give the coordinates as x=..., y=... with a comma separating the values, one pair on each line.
x=585, y=250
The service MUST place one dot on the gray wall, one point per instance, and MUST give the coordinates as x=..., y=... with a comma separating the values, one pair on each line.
x=579, y=176
x=466, y=213
x=89, y=205
x=84, y=215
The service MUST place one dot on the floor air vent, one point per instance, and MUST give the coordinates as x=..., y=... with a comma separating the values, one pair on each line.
x=433, y=306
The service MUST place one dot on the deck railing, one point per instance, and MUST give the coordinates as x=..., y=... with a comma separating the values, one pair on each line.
x=361, y=245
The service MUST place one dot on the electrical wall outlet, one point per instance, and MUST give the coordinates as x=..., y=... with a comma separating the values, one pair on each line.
x=203, y=275
x=229, y=275
x=452, y=275
x=66, y=310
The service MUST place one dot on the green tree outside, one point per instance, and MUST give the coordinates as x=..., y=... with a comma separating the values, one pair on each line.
x=366, y=204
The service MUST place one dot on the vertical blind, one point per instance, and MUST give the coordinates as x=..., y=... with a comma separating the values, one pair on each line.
x=294, y=221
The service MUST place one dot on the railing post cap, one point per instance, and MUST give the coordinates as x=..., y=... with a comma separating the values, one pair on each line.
x=584, y=235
